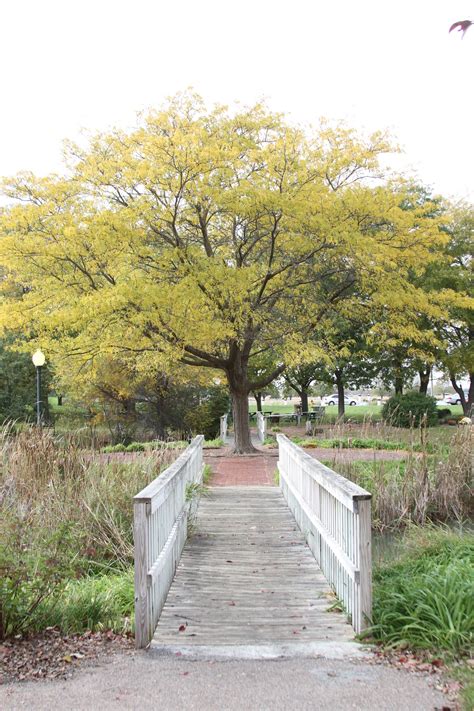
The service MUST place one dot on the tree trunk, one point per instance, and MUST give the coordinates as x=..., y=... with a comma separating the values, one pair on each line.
x=398, y=384
x=466, y=404
x=240, y=413
x=304, y=400
x=340, y=393
x=424, y=379
x=258, y=400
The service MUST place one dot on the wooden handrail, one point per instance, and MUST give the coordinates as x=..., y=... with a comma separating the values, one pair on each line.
x=335, y=517
x=160, y=514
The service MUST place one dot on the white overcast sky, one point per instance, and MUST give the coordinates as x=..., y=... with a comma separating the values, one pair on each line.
x=73, y=64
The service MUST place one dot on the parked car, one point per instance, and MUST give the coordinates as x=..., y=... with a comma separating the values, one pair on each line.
x=453, y=399
x=334, y=399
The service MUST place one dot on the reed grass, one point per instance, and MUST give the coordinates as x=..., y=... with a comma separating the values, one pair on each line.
x=429, y=484
x=63, y=513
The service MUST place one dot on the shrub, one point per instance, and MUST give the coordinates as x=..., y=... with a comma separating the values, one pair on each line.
x=410, y=410
x=135, y=447
x=443, y=413
x=213, y=443
x=205, y=417
x=112, y=448
x=34, y=565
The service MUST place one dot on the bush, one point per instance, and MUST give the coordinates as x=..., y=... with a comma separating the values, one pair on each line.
x=443, y=413
x=410, y=410
x=135, y=447
x=34, y=565
x=205, y=417
x=425, y=599
x=112, y=448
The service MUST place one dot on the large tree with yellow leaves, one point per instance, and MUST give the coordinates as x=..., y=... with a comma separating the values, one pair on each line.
x=206, y=238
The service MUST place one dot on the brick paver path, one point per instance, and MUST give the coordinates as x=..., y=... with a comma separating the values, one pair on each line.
x=249, y=470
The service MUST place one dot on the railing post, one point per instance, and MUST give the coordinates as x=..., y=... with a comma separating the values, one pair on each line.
x=365, y=565
x=223, y=431
x=142, y=617
x=261, y=427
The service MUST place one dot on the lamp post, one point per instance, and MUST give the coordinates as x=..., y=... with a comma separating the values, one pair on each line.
x=39, y=360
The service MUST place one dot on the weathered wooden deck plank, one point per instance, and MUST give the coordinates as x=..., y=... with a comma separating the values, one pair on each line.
x=247, y=577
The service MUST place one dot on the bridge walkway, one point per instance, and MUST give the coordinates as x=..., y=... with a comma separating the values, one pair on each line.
x=247, y=577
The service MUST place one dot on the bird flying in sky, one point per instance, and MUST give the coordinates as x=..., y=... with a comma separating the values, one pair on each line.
x=461, y=26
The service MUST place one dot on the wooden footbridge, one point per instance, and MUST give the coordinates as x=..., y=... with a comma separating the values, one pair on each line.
x=262, y=567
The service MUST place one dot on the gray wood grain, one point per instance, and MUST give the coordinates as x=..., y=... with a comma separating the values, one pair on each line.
x=246, y=576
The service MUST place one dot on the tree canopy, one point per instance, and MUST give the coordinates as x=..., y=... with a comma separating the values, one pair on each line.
x=207, y=238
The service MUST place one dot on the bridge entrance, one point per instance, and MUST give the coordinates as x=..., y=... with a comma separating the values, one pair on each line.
x=251, y=574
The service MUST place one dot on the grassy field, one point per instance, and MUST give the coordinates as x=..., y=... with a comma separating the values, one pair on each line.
x=357, y=413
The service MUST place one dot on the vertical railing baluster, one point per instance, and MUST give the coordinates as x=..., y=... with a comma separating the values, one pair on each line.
x=335, y=516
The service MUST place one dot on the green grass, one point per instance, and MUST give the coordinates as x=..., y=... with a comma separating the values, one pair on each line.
x=92, y=603
x=424, y=600
x=158, y=445
x=465, y=676
x=206, y=474
x=355, y=413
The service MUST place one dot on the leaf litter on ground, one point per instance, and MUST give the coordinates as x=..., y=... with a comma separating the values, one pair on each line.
x=53, y=655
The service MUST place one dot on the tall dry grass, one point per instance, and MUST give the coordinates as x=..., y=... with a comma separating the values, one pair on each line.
x=430, y=484
x=46, y=480
x=65, y=513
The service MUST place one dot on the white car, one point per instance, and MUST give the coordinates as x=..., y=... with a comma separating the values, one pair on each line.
x=334, y=399
x=454, y=399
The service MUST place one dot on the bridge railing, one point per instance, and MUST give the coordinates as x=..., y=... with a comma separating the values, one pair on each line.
x=261, y=427
x=334, y=515
x=160, y=514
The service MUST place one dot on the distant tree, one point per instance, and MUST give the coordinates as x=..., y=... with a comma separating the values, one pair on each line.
x=455, y=275
x=300, y=380
x=18, y=383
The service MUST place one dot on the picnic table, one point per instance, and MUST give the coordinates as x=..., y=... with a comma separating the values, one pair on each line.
x=314, y=415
